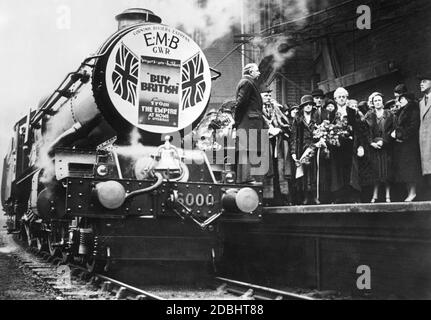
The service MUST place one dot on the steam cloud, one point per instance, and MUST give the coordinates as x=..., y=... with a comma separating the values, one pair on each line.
x=273, y=41
x=213, y=19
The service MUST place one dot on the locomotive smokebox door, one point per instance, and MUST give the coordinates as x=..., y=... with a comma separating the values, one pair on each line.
x=154, y=79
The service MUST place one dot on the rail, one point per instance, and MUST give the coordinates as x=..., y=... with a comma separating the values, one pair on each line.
x=258, y=292
x=121, y=290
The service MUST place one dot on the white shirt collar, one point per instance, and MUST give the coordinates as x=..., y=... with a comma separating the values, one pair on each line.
x=342, y=110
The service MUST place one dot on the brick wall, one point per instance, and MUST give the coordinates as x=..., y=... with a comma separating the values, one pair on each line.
x=401, y=33
x=225, y=86
x=405, y=41
x=295, y=77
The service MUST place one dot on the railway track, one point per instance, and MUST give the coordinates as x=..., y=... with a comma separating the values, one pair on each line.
x=70, y=281
x=74, y=282
x=251, y=291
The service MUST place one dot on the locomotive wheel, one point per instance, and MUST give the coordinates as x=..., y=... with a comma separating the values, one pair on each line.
x=95, y=265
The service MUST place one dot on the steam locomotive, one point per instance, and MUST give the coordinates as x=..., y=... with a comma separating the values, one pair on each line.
x=99, y=172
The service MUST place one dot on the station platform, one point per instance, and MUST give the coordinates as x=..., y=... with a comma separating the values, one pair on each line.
x=395, y=207
x=323, y=247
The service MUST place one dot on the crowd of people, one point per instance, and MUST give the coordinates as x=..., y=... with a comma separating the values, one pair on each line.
x=328, y=149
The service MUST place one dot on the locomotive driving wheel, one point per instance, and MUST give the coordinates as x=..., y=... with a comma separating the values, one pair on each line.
x=95, y=265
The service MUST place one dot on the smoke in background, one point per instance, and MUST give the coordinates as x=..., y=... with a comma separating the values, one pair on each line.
x=275, y=40
x=212, y=18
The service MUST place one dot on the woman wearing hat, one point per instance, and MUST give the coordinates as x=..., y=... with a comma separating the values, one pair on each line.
x=380, y=123
x=324, y=164
x=302, y=138
x=293, y=111
x=407, y=157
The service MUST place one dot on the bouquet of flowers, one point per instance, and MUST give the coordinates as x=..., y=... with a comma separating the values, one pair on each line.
x=332, y=134
x=214, y=127
x=305, y=160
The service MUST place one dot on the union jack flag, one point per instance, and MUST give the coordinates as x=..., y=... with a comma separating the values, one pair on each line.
x=193, y=82
x=125, y=75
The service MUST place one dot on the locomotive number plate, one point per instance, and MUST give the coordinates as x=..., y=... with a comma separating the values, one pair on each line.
x=199, y=199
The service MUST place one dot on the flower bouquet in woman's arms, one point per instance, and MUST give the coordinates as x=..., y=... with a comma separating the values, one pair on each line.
x=305, y=160
x=333, y=134
x=321, y=135
x=322, y=131
x=343, y=131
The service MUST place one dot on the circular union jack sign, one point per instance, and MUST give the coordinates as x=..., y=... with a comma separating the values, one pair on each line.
x=158, y=79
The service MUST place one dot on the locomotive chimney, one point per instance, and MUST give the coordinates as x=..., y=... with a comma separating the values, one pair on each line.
x=135, y=16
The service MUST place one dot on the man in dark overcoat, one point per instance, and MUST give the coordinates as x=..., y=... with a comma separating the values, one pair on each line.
x=252, y=139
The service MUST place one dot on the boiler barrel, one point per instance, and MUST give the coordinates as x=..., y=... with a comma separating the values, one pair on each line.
x=150, y=78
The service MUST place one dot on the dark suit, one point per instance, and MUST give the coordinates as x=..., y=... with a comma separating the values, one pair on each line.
x=407, y=156
x=248, y=112
x=249, y=115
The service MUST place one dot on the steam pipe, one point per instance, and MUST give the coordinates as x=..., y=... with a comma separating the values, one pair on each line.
x=149, y=189
x=117, y=164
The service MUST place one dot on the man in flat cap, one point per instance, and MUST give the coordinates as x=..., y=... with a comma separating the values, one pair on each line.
x=425, y=128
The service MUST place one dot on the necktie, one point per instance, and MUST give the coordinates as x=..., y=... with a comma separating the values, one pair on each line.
x=426, y=100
